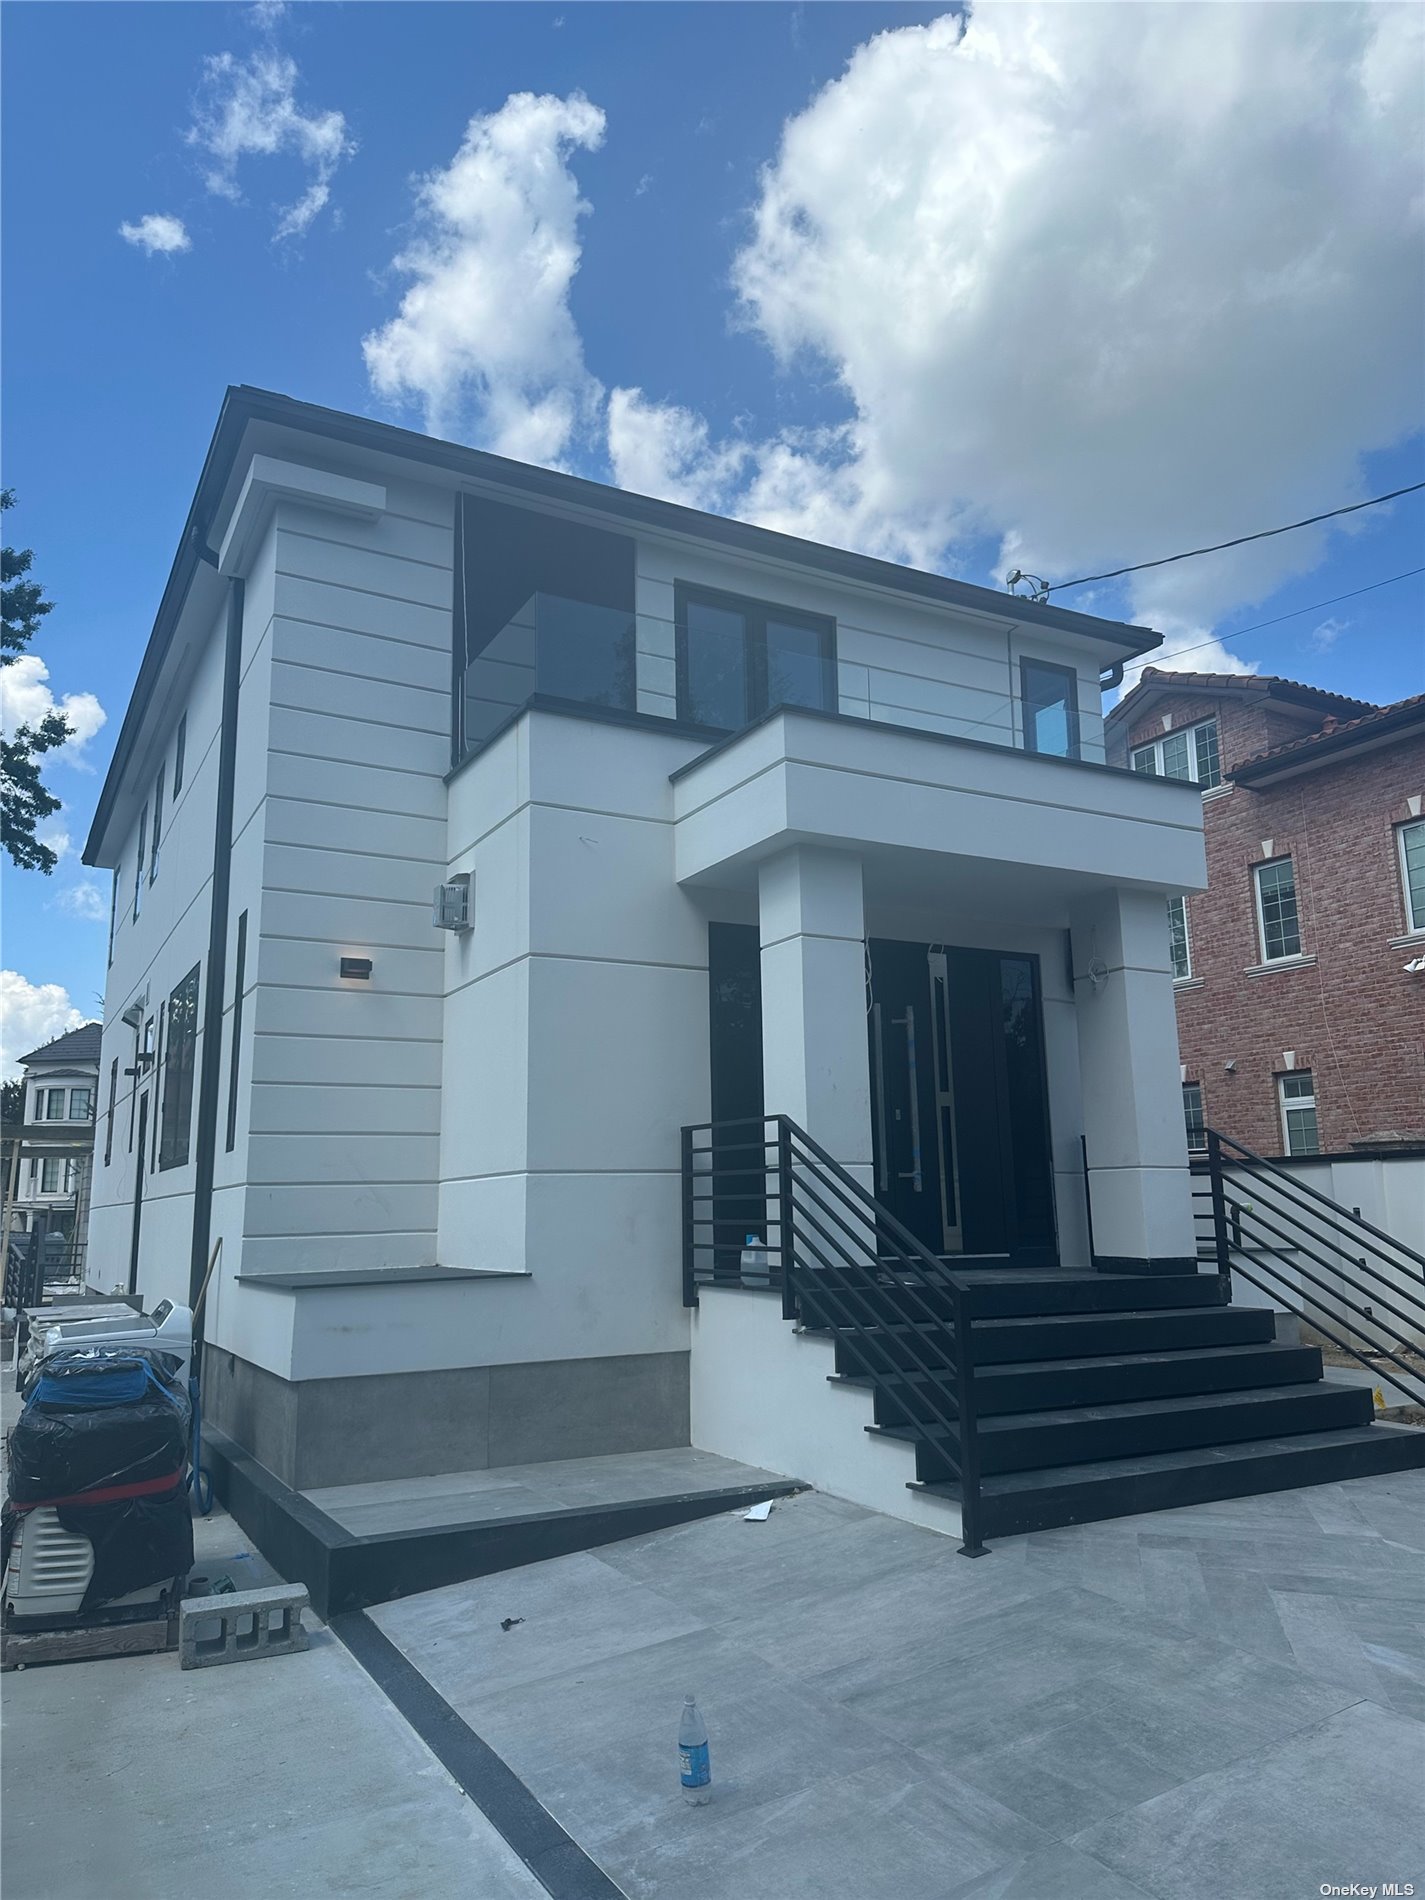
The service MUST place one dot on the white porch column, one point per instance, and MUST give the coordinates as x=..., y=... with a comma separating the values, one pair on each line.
x=1139, y=1185
x=815, y=1065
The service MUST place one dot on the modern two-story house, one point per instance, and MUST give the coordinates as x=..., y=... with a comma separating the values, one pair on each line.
x=582, y=958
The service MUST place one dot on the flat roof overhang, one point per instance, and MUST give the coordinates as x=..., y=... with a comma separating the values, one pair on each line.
x=927, y=811
x=261, y=421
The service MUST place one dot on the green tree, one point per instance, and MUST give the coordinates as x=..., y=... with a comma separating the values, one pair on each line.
x=24, y=799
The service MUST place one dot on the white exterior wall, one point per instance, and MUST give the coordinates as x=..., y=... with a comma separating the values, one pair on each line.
x=938, y=669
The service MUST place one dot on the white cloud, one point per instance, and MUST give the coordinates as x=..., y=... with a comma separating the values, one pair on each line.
x=25, y=700
x=1094, y=283
x=54, y=834
x=158, y=234
x=484, y=339
x=31, y=1014
x=83, y=899
x=248, y=108
x=1321, y=639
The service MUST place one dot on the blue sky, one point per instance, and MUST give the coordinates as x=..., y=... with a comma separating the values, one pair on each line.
x=1067, y=288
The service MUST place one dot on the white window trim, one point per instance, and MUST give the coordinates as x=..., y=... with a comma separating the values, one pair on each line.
x=1298, y=1103
x=1414, y=926
x=1293, y=958
x=1189, y=975
x=1155, y=746
x=1202, y=1150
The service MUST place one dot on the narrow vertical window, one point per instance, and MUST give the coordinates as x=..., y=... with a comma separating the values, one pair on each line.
x=1297, y=1094
x=113, y=909
x=235, y=1055
x=163, y=1018
x=138, y=863
x=109, y=1120
x=177, y=1110
x=1051, y=709
x=178, y=751
x=157, y=827
x=1411, y=841
x=1178, y=938
x=1278, y=920
x=1194, y=1117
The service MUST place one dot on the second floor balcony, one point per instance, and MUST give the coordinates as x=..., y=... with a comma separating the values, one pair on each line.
x=557, y=648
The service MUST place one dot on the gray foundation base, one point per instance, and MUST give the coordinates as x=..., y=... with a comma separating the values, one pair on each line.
x=316, y=1432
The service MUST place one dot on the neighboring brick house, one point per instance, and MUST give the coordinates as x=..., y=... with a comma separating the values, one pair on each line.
x=1301, y=968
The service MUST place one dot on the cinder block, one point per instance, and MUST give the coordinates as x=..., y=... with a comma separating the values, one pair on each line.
x=242, y=1625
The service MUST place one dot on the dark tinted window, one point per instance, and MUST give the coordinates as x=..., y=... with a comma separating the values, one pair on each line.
x=739, y=658
x=1051, y=711
x=179, y=1054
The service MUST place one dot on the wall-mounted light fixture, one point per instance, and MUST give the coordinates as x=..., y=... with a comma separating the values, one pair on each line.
x=358, y=967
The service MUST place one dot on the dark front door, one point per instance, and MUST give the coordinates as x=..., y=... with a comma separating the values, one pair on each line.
x=958, y=1099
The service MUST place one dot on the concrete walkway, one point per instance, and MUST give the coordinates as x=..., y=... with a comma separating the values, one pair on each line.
x=133, y=1780
x=1223, y=1700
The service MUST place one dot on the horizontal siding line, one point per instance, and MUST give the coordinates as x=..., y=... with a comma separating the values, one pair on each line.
x=171, y=933
x=429, y=1088
x=549, y=804
x=351, y=897
x=375, y=593
x=516, y=1174
x=325, y=989
x=357, y=547
x=355, y=851
x=323, y=1035
x=387, y=513
x=347, y=1181
x=565, y=956
x=364, y=633
x=367, y=943
x=343, y=804
x=338, y=1233
x=345, y=673
x=925, y=679
x=307, y=758
x=357, y=719
x=343, y=1134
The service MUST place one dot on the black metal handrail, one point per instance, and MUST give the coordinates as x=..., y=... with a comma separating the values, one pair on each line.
x=1276, y=1238
x=840, y=1261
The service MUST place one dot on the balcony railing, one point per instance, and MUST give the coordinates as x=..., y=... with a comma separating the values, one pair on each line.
x=560, y=648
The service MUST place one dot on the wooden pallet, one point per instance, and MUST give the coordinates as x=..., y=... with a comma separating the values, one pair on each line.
x=86, y=1643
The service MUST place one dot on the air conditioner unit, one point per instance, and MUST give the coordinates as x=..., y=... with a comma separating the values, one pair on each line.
x=451, y=909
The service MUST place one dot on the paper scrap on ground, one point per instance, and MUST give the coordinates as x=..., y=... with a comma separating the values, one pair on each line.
x=759, y=1513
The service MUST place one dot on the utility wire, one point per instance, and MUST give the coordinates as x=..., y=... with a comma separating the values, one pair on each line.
x=1191, y=554
x=1221, y=639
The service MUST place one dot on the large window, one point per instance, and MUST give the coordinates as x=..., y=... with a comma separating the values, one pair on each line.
x=1178, y=937
x=182, y=1042
x=542, y=605
x=1050, y=697
x=81, y=1105
x=1297, y=1094
x=1191, y=753
x=1278, y=922
x=52, y=1103
x=1410, y=840
x=739, y=658
x=1194, y=1117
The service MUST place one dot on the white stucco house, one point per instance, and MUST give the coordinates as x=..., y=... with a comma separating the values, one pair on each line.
x=722, y=825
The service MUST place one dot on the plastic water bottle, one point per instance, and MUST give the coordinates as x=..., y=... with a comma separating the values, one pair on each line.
x=755, y=1271
x=693, y=1764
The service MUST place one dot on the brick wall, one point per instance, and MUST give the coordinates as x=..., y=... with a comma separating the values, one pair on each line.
x=1354, y=1018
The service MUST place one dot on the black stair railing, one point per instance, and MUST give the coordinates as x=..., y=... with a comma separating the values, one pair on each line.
x=1358, y=1288
x=841, y=1262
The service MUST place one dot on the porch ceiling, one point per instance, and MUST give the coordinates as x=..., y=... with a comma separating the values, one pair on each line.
x=926, y=812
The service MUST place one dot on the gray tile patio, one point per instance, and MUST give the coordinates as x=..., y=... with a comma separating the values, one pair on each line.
x=466, y=1497
x=1227, y=1699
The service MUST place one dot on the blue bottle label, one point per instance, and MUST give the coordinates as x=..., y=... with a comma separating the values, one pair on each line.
x=694, y=1765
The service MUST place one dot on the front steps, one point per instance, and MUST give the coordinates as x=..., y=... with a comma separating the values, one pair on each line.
x=1102, y=1396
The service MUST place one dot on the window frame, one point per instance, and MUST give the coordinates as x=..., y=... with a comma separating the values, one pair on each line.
x=1285, y=956
x=1075, y=723
x=86, y=1114
x=1298, y=1105
x=156, y=837
x=109, y=1122
x=174, y=1117
x=756, y=615
x=179, y=748
x=1154, y=747
x=138, y=863
x=60, y=1094
x=1414, y=920
x=1185, y=974
x=1199, y=1122
x=46, y=1163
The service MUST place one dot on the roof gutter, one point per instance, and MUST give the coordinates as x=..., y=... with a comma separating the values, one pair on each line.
x=1396, y=722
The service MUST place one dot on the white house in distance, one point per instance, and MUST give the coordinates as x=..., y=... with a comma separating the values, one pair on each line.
x=722, y=824
x=48, y=1195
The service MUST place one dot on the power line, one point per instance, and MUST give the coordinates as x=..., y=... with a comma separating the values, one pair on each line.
x=1295, y=614
x=1043, y=589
